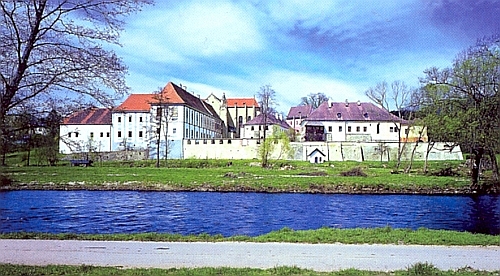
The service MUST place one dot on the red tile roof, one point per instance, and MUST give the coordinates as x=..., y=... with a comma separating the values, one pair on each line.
x=137, y=102
x=242, y=102
x=90, y=116
x=170, y=94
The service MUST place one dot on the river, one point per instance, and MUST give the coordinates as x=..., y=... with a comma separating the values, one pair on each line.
x=238, y=213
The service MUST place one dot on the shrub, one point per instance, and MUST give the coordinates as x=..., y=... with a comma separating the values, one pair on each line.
x=357, y=171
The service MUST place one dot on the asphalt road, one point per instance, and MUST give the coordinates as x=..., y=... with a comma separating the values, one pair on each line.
x=319, y=257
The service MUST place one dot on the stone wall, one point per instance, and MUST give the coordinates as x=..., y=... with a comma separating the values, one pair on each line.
x=334, y=151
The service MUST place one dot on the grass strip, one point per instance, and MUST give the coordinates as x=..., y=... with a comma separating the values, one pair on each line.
x=242, y=175
x=416, y=269
x=385, y=235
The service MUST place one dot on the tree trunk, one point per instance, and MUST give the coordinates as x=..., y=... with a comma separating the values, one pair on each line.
x=407, y=170
x=3, y=137
x=476, y=167
x=430, y=145
x=494, y=167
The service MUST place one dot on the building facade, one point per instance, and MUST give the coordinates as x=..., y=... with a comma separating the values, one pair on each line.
x=356, y=122
x=86, y=130
x=157, y=123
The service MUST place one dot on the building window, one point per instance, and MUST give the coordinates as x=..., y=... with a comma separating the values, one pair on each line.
x=140, y=134
x=130, y=134
x=229, y=141
x=130, y=119
x=213, y=141
x=348, y=129
x=240, y=120
x=251, y=128
x=119, y=119
x=69, y=135
x=101, y=134
x=249, y=118
x=107, y=134
x=119, y=134
x=140, y=119
x=340, y=128
x=76, y=134
x=391, y=129
x=407, y=131
x=330, y=129
x=365, y=129
x=378, y=128
x=358, y=129
x=339, y=115
x=158, y=112
x=174, y=130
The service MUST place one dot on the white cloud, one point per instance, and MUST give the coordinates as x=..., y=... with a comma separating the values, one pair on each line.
x=194, y=29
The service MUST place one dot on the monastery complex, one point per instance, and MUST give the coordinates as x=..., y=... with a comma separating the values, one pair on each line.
x=177, y=124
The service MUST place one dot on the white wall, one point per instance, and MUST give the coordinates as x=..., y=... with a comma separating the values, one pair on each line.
x=334, y=151
x=78, y=138
x=128, y=127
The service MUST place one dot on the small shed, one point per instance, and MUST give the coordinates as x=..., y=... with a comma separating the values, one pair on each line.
x=316, y=156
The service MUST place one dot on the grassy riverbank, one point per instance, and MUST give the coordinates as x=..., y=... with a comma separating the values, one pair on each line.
x=244, y=175
x=414, y=270
x=386, y=235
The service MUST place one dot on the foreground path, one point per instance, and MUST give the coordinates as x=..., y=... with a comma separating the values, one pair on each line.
x=319, y=257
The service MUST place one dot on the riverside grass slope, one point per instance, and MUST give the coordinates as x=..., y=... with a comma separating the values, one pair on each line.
x=243, y=176
x=324, y=235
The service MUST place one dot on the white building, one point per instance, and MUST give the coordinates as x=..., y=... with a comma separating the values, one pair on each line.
x=235, y=112
x=355, y=122
x=86, y=130
x=254, y=129
x=159, y=122
x=155, y=122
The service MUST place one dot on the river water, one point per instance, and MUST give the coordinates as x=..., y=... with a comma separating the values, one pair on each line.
x=238, y=213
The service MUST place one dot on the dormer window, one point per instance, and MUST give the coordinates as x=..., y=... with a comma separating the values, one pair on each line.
x=339, y=115
x=365, y=115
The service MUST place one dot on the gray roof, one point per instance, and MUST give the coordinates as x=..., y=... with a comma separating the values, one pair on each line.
x=301, y=111
x=354, y=111
x=271, y=120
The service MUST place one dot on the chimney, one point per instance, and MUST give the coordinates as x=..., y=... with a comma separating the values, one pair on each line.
x=359, y=103
x=346, y=103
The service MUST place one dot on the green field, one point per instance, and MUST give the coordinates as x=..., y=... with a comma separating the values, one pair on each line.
x=242, y=175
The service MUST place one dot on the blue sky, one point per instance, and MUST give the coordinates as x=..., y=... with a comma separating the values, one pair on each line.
x=340, y=48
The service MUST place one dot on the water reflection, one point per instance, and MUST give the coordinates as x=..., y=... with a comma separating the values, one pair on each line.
x=238, y=213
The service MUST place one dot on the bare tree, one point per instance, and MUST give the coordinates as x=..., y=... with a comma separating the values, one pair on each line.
x=396, y=99
x=164, y=114
x=267, y=102
x=53, y=46
x=314, y=99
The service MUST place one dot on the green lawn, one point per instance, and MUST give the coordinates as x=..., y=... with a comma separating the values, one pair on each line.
x=241, y=175
x=385, y=235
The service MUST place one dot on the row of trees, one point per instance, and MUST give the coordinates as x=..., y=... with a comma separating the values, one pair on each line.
x=459, y=104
